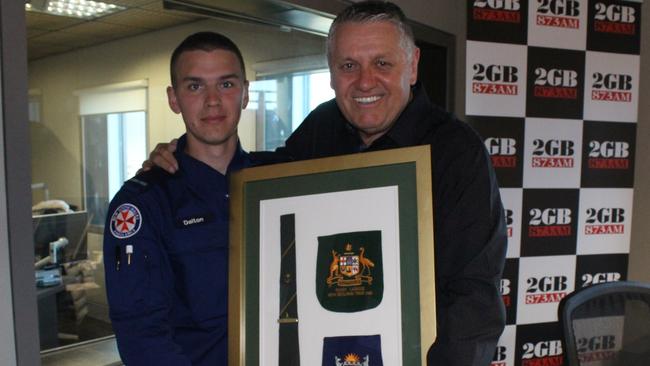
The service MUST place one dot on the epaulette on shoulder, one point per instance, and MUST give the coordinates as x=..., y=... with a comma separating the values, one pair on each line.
x=145, y=180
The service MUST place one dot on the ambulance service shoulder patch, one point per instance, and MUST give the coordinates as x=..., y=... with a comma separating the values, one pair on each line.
x=126, y=221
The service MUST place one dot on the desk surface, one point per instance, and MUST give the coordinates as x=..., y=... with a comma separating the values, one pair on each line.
x=42, y=292
x=97, y=353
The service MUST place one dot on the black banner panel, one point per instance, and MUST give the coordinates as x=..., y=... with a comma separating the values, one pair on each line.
x=550, y=222
x=555, y=85
x=614, y=26
x=504, y=140
x=497, y=21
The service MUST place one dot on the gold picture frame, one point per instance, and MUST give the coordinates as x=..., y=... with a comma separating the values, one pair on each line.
x=406, y=169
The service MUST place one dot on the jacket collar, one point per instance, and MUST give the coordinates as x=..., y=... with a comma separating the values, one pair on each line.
x=201, y=175
x=407, y=130
x=411, y=124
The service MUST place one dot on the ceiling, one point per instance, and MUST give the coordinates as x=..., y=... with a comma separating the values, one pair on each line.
x=50, y=34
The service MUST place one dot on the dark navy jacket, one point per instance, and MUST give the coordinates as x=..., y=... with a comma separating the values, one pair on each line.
x=168, y=306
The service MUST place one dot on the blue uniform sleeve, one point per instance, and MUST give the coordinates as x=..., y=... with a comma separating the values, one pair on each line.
x=139, y=283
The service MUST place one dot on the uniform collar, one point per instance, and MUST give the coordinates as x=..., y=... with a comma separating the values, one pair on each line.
x=201, y=175
x=408, y=129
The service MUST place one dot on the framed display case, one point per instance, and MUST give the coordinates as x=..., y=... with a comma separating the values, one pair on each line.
x=332, y=261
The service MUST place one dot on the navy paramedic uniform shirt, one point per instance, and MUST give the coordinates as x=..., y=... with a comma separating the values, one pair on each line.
x=168, y=306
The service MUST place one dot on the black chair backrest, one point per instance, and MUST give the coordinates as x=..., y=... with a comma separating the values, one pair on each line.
x=607, y=324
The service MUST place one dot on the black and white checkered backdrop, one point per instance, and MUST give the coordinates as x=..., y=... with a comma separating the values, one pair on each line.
x=553, y=88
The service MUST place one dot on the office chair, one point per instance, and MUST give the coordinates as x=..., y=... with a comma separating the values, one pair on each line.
x=607, y=324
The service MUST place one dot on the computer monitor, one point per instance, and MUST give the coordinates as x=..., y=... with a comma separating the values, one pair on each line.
x=73, y=226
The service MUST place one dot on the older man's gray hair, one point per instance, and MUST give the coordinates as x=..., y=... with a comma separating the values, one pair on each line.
x=374, y=11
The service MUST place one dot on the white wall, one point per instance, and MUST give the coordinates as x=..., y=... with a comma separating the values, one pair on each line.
x=7, y=344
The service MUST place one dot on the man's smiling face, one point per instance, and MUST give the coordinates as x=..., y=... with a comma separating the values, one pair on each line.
x=371, y=75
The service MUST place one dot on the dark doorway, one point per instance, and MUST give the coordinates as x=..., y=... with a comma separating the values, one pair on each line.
x=437, y=59
x=432, y=72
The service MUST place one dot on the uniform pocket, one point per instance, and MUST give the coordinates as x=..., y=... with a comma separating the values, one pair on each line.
x=127, y=283
x=202, y=279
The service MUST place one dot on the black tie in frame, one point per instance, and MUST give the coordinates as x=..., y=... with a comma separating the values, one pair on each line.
x=289, y=354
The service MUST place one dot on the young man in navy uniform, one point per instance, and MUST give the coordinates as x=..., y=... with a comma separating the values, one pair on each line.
x=166, y=236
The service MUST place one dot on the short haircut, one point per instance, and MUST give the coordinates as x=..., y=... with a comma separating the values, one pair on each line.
x=374, y=11
x=204, y=41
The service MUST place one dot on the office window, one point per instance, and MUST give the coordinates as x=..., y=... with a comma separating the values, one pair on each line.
x=113, y=119
x=114, y=148
x=283, y=98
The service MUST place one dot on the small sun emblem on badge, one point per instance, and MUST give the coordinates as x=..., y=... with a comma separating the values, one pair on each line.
x=352, y=359
x=126, y=221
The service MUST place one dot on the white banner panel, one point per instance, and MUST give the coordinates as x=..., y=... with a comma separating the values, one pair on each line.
x=543, y=282
x=496, y=79
x=558, y=24
x=605, y=220
x=505, y=352
x=322, y=215
x=611, y=87
x=552, y=153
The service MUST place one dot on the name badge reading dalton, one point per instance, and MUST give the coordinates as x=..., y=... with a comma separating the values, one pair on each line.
x=194, y=220
x=349, y=269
